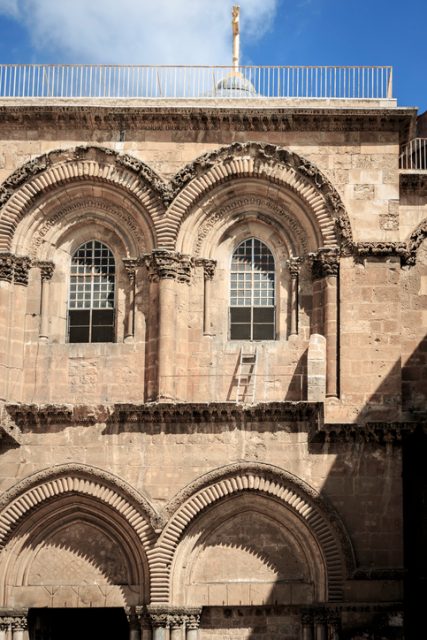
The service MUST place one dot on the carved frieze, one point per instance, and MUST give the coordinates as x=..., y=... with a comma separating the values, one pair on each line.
x=379, y=249
x=375, y=432
x=416, y=239
x=174, y=617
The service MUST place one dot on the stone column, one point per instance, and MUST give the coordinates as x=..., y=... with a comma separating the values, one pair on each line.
x=176, y=622
x=167, y=268
x=208, y=274
x=7, y=261
x=320, y=625
x=326, y=267
x=19, y=627
x=192, y=624
x=307, y=625
x=46, y=272
x=5, y=623
x=130, y=265
x=293, y=265
x=134, y=624
x=334, y=623
x=159, y=618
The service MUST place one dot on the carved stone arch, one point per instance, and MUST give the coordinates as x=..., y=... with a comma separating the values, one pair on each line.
x=60, y=480
x=270, y=163
x=317, y=517
x=41, y=505
x=21, y=191
x=416, y=238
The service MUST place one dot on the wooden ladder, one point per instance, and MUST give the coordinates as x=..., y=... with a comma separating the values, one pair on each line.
x=246, y=377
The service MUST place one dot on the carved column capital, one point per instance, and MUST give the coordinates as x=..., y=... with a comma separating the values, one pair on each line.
x=168, y=265
x=47, y=269
x=130, y=265
x=7, y=263
x=325, y=263
x=19, y=623
x=22, y=268
x=159, y=616
x=192, y=619
x=208, y=267
x=294, y=264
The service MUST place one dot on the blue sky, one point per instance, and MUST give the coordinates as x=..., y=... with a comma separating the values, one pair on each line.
x=277, y=32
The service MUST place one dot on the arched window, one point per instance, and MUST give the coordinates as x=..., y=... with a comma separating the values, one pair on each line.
x=91, y=300
x=252, y=292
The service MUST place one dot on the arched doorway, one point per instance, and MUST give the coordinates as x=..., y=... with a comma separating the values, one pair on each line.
x=69, y=624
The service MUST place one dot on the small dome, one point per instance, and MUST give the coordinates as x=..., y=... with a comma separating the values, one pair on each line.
x=235, y=86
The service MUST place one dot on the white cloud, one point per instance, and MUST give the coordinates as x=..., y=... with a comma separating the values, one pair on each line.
x=139, y=31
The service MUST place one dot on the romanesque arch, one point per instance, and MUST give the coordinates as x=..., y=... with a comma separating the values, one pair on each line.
x=28, y=186
x=78, y=532
x=267, y=489
x=270, y=165
x=416, y=239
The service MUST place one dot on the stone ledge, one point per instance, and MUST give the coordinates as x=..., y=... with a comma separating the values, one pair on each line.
x=205, y=117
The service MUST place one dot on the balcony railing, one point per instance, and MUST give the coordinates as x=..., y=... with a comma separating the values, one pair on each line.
x=158, y=82
x=414, y=155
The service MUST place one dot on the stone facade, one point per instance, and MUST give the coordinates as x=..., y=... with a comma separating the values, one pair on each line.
x=131, y=479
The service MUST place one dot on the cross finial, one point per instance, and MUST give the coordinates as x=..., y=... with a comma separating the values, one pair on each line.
x=236, y=35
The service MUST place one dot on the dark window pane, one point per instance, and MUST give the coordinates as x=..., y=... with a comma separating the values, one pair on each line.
x=240, y=332
x=102, y=317
x=264, y=314
x=102, y=334
x=79, y=334
x=240, y=314
x=263, y=332
x=79, y=317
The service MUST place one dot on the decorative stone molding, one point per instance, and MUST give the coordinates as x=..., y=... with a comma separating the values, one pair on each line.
x=163, y=264
x=21, y=271
x=275, y=164
x=209, y=267
x=14, y=268
x=294, y=266
x=380, y=249
x=291, y=492
x=130, y=265
x=7, y=264
x=174, y=617
x=47, y=269
x=61, y=167
x=325, y=263
x=19, y=623
x=215, y=213
x=375, y=432
x=216, y=412
x=126, y=217
x=73, y=479
x=417, y=237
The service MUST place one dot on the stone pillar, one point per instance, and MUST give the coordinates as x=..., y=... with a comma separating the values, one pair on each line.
x=208, y=274
x=159, y=618
x=316, y=368
x=134, y=624
x=192, y=624
x=333, y=618
x=19, y=627
x=130, y=265
x=320, y=628
x=326, y=267
x=46, y=272
x=293, y=265
x=7, y=261
x=307, y=625
x=176, y=622
x=4, y=627
x=167, y=268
